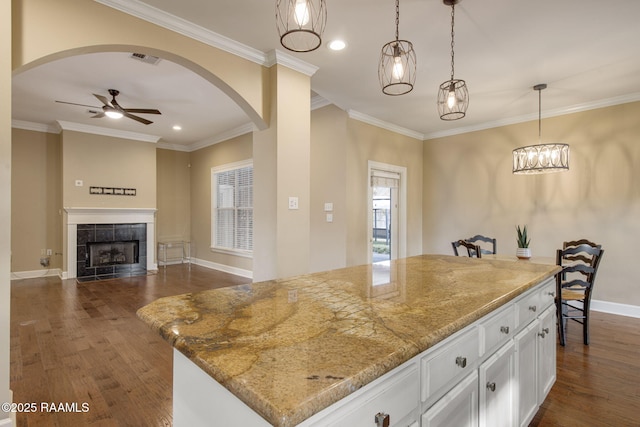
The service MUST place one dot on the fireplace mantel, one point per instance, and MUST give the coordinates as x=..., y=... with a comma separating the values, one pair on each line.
x=97, y=215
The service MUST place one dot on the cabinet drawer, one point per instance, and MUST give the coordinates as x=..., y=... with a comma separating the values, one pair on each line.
x=453, y=360
x=529, y=307
x=548, y=294
x=498, y=329
x=395, y=395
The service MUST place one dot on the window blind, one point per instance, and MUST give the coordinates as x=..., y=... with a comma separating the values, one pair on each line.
x=234, y=209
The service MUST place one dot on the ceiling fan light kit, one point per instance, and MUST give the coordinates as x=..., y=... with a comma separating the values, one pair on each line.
x=453, y=95
x=114, y=110
x=301, y=23
x=541, y=158
x=397, y=66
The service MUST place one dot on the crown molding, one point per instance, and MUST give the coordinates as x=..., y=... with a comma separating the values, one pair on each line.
x=577, y=108
x=384, y=125
x=36, y=127
x=221, y=137
x=318, y=101
x=281, y=58
x=97, y=130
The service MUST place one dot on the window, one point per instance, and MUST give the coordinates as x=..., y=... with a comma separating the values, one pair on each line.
x=232, y=207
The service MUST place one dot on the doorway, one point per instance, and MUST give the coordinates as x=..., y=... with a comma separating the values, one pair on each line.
x=386, y=212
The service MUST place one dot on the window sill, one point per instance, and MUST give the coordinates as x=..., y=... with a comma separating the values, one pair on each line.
x=238, y=253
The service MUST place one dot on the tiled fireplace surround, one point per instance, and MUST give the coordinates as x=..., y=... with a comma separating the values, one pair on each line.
x=103, y=224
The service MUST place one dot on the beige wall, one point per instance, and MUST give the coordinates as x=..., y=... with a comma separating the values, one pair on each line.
x=105, y=161
x=365, y=142
x=340, y=155
x=173, y=218
x=36, y=199
x=469, y=189
x=233, y=150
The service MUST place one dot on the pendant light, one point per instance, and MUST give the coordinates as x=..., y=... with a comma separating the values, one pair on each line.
x=397, y=67
x=453, y=96
x=541, y=158
x=301, y=23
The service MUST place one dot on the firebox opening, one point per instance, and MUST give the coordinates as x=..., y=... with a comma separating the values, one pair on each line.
x=112, y=253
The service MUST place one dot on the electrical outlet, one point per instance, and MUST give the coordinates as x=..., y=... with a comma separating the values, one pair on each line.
x=293, y=203
x=49, y=252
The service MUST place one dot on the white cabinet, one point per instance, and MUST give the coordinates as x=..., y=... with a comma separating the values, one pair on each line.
x=497, y=394
x=546, y=353
x=457, y=408
x=535, y=349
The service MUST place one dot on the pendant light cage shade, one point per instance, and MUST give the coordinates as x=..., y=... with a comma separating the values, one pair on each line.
x=397, y=67
x=453, y=99
x=301, y=23
x=541, y=158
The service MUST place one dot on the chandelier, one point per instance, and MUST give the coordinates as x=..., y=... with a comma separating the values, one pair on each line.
x=301, y=23
x=397, y=66
x=453, y=95
x=541, y=158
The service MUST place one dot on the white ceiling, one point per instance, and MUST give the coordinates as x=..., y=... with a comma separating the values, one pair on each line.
x=587, y=51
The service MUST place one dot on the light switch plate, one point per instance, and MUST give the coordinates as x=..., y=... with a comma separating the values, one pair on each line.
x=79, y=183
x=293, y=202
x=329, y=217
x=328, y=207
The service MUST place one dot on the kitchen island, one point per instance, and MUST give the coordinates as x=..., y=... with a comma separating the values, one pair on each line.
x=288, y=352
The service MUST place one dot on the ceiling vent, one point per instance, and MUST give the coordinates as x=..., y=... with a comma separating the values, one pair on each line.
x=153, y=60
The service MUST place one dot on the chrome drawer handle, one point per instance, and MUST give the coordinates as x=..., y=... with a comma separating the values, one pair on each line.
x=533, y=308
x=504, y=329
x=382, y=420
x=491, y=386
x=552, y=294
x=461, y=361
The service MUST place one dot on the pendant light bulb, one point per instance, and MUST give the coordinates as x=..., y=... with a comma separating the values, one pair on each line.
x=398, y=68
x=451, y=98
x=301, y=13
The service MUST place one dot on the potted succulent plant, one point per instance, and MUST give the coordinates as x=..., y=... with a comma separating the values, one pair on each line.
x=523, y=251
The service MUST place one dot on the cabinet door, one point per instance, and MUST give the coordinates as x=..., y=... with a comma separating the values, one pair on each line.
x=497, y=388
x=457, y=408
x=546, y=353
x=526, y=374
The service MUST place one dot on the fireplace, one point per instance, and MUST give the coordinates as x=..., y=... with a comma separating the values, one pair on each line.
x=112, y=253
x=107, y=243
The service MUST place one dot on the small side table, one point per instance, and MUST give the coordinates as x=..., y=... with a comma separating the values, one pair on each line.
x=182, y=252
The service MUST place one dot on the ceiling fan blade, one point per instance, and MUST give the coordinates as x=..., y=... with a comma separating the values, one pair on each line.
x=138, y=119
x=103, y=99
x=142, y=110
x=82, y=105
x=98, y=116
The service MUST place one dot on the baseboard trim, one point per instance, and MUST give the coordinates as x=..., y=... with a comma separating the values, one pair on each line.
x=34, y=274
x=616, y=308
x=224, y=268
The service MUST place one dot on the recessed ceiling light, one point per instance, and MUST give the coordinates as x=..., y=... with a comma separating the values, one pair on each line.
x=177, y=127
x=337, y=44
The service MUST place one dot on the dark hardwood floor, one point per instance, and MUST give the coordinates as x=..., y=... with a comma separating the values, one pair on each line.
x=82, y=343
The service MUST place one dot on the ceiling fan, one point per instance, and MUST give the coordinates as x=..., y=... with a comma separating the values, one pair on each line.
x=114, y=110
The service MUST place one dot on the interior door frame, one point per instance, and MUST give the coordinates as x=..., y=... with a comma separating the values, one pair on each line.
x=402, y=208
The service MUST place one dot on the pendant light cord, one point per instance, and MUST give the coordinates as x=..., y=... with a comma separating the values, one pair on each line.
x=453, y=6
x=540, y=115
x=397, y=19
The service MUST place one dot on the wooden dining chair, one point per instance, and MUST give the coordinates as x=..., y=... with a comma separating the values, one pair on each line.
x=479, y=240
x=574, y=286
x=472, y=250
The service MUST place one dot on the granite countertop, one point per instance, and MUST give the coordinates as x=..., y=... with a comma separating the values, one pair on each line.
x=289, y=348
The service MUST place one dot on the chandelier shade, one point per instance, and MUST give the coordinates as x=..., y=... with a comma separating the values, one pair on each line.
x=301, y=23
x=453, y=95
x=541, y=158
x=397, y=65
